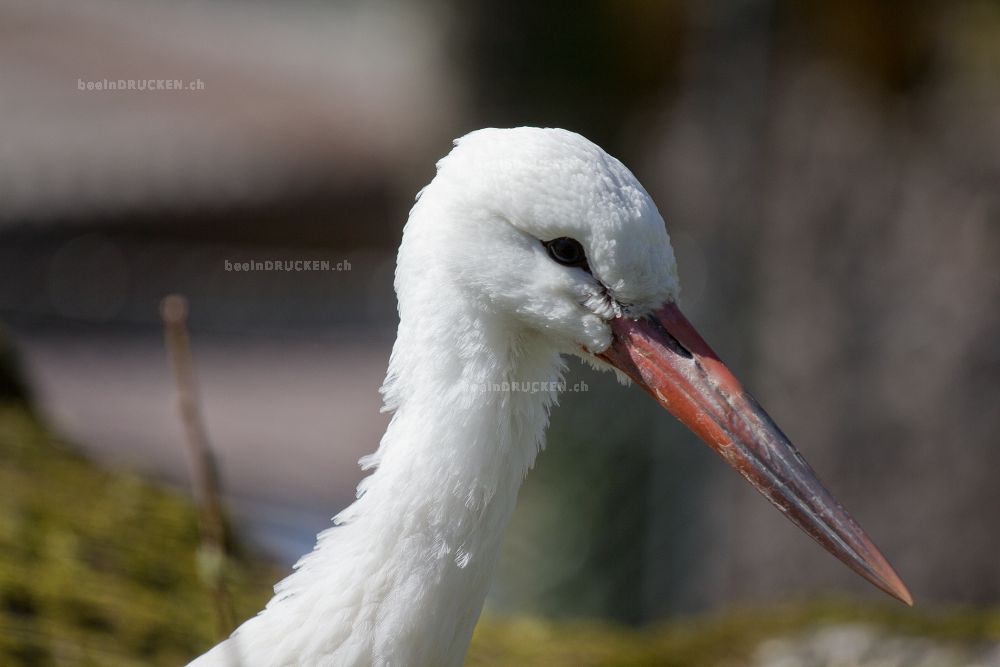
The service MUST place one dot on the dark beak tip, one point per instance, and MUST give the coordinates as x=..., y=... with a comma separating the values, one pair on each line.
x=862, y=556
x=895, y=587
x=883, y=574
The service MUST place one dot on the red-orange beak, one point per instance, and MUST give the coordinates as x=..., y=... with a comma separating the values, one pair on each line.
x=664, y=354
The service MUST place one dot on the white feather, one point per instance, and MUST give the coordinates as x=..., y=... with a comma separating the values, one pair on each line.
x=402, y=577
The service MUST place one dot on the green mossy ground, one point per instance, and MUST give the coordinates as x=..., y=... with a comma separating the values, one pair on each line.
x=98, y=568
x=720, y=639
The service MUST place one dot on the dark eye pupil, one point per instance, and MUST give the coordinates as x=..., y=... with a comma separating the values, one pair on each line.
x=567, y=251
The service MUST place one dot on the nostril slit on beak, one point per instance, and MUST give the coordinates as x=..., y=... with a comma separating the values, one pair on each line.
x=677, y=347
x=674, y=344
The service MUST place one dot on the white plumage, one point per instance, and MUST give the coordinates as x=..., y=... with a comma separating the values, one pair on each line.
x=402, y=577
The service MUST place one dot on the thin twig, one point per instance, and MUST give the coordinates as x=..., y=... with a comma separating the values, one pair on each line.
x=204, y=472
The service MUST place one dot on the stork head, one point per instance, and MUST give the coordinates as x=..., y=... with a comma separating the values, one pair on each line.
x=546, y=229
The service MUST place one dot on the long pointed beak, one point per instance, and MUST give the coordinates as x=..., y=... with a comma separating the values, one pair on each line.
x=664, y=354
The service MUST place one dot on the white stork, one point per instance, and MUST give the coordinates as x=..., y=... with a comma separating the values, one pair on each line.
x=528, y=244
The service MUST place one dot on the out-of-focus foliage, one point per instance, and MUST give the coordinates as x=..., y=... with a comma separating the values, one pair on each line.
x=97, y=567
x=13, y=386
x=818, y=634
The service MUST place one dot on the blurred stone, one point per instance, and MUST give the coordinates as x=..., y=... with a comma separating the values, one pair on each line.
x=864, y=646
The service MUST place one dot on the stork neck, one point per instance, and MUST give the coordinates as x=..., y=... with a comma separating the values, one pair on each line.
x=429, y=521
x=471, y=406
x=402, y=581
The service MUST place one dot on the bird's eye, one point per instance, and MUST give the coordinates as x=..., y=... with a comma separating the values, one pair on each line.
x=567, y=251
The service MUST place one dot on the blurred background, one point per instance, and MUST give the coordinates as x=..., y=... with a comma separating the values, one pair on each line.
x=830, y=176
